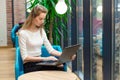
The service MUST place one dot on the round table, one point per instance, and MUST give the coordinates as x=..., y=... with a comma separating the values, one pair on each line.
x=48, y=75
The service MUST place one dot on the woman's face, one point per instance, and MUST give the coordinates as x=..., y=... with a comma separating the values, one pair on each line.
x=39, y=20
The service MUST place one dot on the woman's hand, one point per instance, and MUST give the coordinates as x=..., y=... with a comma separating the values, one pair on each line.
x=73, y=57
x=53, y=58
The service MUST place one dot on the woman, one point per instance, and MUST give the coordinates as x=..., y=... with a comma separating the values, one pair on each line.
x=31, y=37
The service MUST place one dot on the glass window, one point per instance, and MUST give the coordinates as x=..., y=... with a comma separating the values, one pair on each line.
x=97, y=40
x=116, y=58
x=79, y=17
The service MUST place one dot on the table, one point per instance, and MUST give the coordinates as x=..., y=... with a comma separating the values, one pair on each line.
x=48, y=75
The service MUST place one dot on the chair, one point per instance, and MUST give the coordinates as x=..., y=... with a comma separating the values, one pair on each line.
x=19, y=64
x=13, y=33
x=16, y=41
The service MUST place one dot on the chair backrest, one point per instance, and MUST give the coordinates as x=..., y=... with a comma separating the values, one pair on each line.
x=13, y=33
x=18, y=56
x=18, y=64
x=16, y=41
x=45, y=52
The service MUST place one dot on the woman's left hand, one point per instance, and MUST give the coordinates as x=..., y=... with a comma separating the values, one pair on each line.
x=73, y=57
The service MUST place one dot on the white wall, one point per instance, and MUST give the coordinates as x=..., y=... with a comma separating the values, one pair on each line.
x=3, y=23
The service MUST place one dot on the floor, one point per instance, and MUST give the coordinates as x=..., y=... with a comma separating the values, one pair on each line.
x=7, y=56
x=99, y=69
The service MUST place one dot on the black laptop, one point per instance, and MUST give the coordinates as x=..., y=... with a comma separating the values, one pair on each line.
x=66, y=56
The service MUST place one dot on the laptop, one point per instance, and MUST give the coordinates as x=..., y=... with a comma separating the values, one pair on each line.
x=66, y=56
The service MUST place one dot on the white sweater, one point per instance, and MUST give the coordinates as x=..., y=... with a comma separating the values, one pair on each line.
x=30, y=43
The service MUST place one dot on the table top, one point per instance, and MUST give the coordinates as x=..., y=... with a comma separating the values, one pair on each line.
x=48, y=75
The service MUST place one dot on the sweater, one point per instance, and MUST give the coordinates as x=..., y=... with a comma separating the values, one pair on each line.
x=31, y=42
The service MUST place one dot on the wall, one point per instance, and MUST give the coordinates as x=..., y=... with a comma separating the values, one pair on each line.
x=19, y=11
x=19, y=14
x=3, y=26
x=9, y=20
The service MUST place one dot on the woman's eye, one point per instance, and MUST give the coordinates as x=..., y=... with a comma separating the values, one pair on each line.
x=40, y=19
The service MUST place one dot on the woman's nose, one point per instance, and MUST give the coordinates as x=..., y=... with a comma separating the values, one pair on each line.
x=42, y=21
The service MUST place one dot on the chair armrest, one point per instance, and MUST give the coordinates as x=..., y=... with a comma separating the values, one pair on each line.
x=56, y=47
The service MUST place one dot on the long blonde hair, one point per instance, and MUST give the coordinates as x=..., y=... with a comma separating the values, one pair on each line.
x=36, y=11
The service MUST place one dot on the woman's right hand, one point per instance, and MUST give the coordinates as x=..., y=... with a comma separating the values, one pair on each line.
x=53, y=58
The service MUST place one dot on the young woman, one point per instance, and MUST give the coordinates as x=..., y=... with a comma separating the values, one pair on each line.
x=31, y=37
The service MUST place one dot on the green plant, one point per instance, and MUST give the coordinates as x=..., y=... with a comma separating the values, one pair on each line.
x=55, y=24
